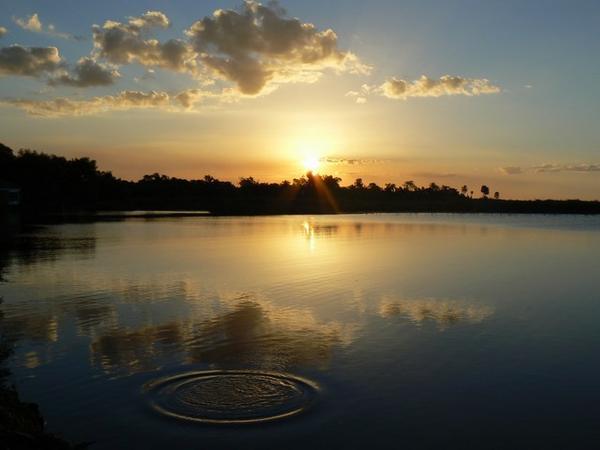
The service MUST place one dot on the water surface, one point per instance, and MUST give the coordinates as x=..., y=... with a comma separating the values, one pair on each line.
x=418, y=330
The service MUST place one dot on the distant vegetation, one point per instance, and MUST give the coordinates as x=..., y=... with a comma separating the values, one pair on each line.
x=53, y=184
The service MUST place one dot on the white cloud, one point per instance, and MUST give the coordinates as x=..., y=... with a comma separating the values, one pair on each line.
x=260, y=45
x=3, y=31
x=31, y=23
x=34, y=24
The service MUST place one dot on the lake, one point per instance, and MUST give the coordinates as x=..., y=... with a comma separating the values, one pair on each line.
x=385, y=331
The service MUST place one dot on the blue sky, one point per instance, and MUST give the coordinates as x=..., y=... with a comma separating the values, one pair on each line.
x=542, y=56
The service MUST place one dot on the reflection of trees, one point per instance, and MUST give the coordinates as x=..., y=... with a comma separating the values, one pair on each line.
x=21, y=424
x=24, y=249
x=36, y=327
x=444, y=312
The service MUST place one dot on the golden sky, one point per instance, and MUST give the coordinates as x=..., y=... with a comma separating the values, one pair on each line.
x=392, y=92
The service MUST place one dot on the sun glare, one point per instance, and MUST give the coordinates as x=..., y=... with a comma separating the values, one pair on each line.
x=311, y=163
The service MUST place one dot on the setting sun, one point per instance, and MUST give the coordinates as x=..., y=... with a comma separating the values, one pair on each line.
x=311, y=163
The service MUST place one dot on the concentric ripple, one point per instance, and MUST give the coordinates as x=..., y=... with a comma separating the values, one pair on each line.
x=231, y=396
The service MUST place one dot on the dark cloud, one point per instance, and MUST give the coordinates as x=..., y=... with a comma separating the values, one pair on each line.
x=29, y=61
x=88, y=73
x=124, y=43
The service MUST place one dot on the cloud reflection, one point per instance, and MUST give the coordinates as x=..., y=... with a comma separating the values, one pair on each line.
x=253, y=334
x=443, y=312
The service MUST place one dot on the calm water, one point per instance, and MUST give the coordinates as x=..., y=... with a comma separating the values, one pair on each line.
x=402, y=331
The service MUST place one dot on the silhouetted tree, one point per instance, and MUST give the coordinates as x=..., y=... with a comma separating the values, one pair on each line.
x=52, y=183
x=496, y=195
x=409, y=186
x=358, y=184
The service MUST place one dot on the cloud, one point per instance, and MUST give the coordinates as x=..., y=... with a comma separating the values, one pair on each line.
x=396, y=88
x=255, y=48
x=88, y=73
x=443, y=312
x=425, y=86
x=32, y=23
x=511, y=170
x=151, y=19
x=361, y=96
x=190, y=97
x=551, y=168
x=260, y=45
x=125, y=43
x=349, y=161
x=35, y=25
x=567, y=168
x=62, y=107
x=67, y=107
x=3, y=31
x=29, y=61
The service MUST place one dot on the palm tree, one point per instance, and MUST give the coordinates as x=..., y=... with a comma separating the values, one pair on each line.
x=464, y=190
x=496, y=195
x=485, y=190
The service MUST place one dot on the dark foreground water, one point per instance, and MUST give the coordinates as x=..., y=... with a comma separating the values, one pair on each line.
x=378, y=331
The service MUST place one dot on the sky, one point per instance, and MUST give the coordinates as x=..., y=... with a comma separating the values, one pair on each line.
x=502, y=93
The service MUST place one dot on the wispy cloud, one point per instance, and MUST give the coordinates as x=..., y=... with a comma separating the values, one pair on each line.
x=551, y=168
x=348, y=161
x=124, y=100
x=34, y=24
x=446, y=85
x=511, y=170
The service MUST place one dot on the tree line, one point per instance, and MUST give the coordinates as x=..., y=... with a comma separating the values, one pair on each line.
x=54, y=184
